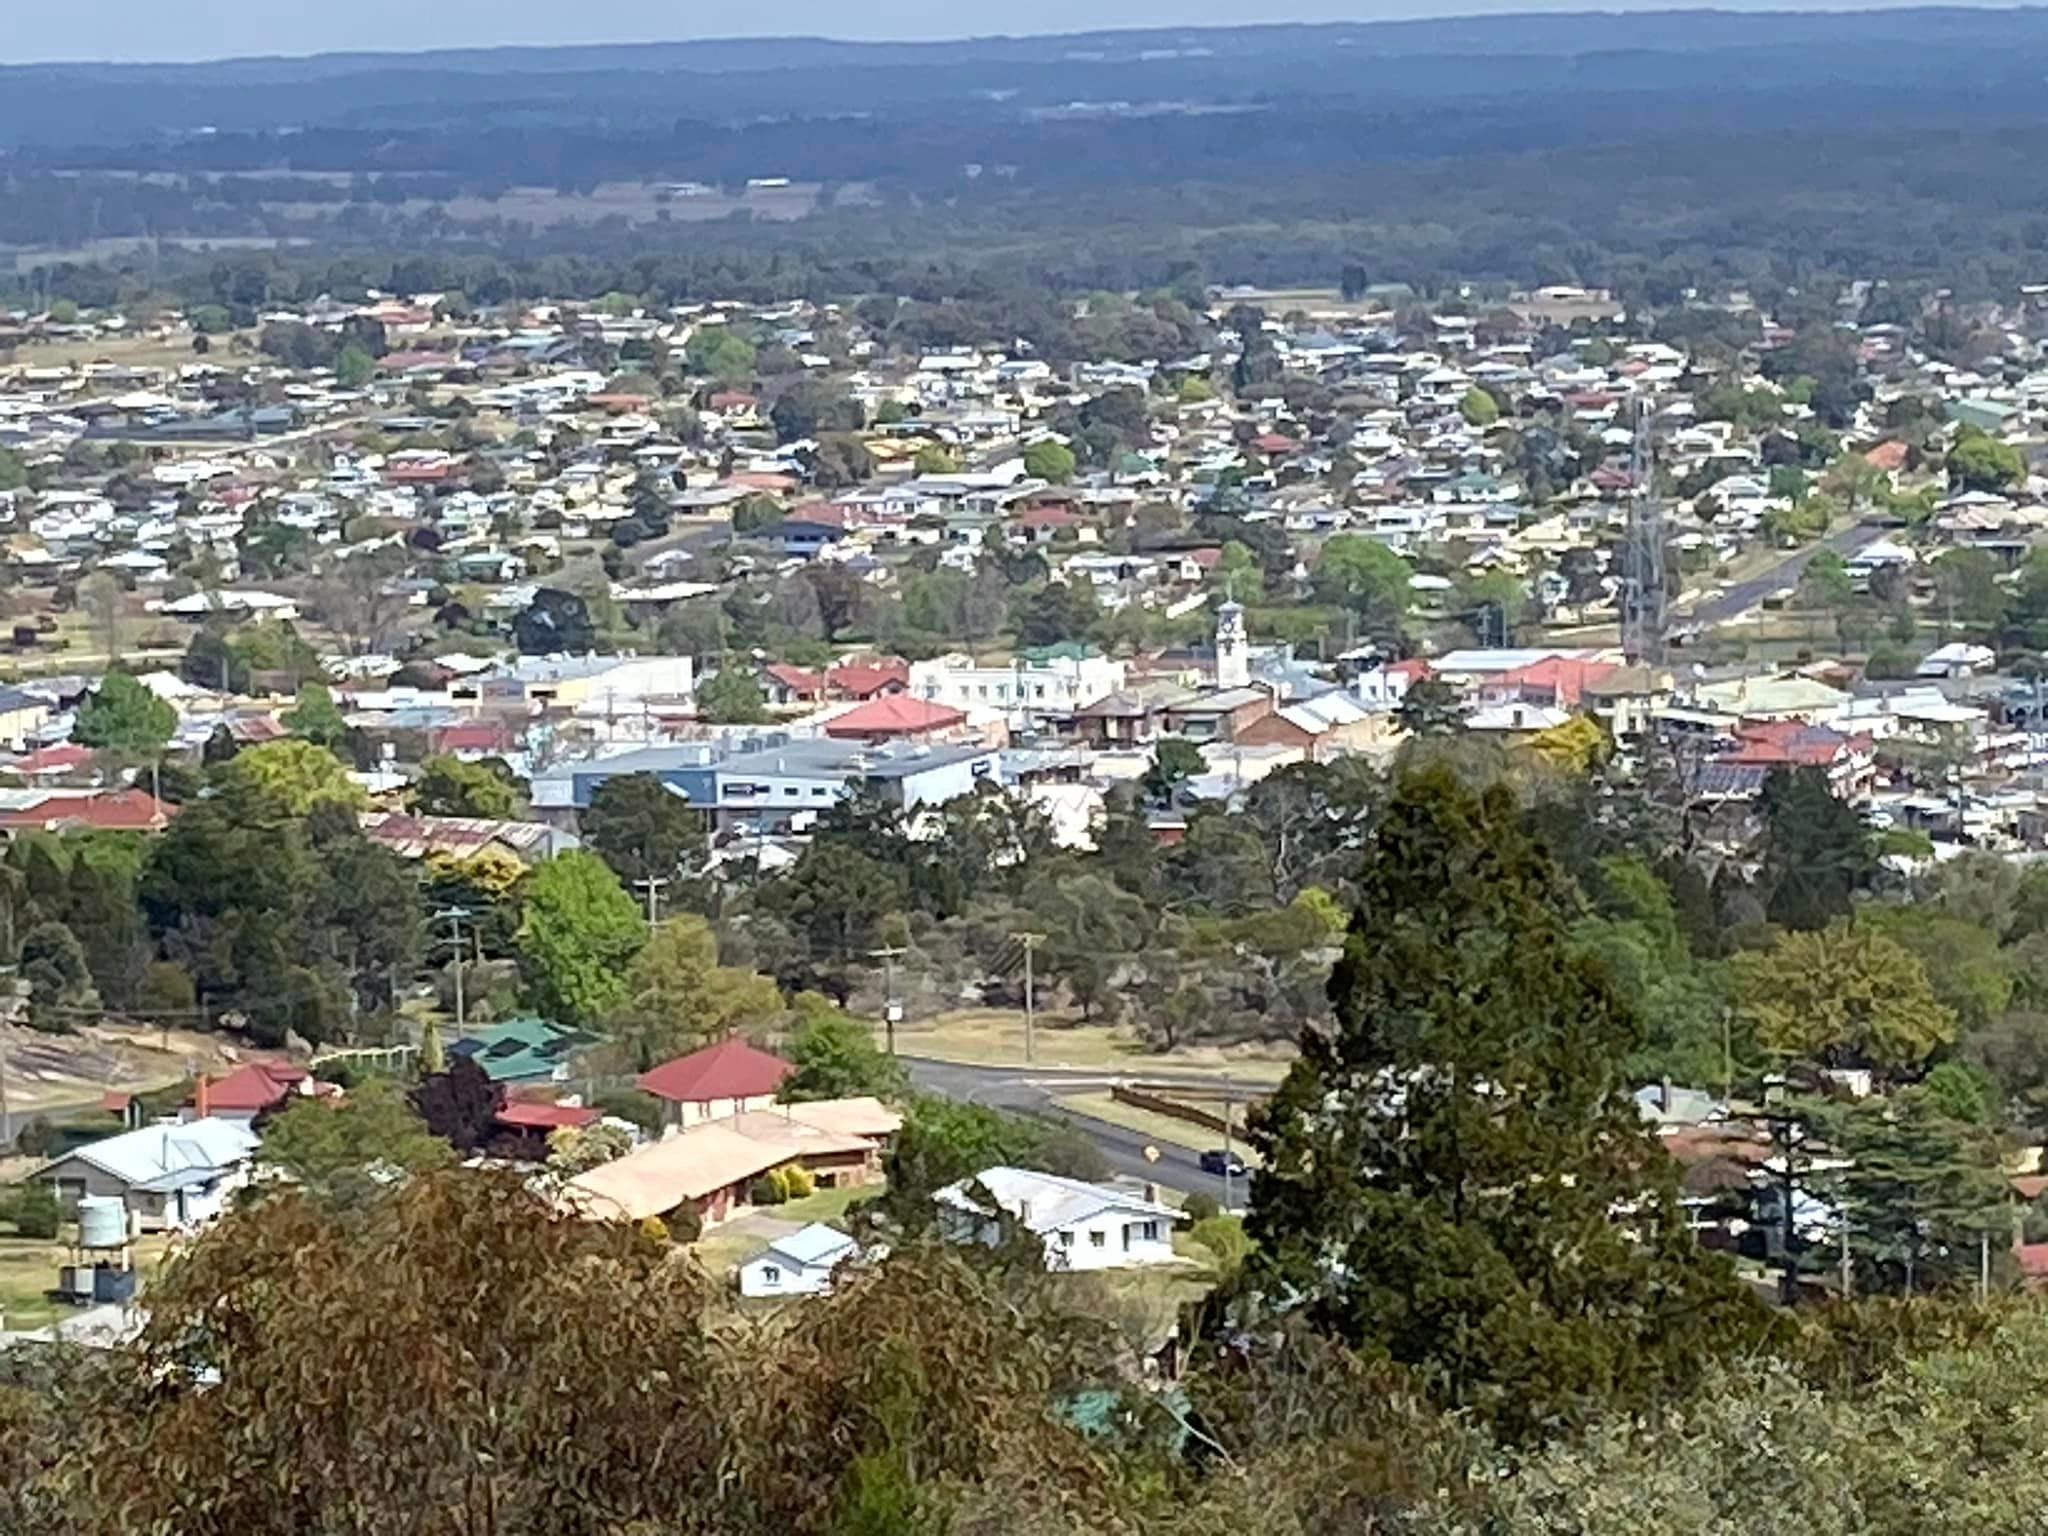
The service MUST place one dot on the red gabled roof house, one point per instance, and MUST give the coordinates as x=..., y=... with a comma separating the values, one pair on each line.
x=868, y=679
x=786, y=685
x=721, y=1080
x=1041, y=525
x=255, y=1088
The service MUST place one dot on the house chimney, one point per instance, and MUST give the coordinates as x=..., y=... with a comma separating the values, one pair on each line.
x=202, y=1100
x=1664, y=1095
x=1151, y=1193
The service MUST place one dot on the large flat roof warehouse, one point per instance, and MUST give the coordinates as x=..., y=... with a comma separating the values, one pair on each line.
x=847, y=760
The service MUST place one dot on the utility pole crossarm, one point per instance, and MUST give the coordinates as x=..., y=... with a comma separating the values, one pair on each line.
x=653, y=886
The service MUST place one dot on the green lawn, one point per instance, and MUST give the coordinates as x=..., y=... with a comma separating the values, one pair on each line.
x=28, y=1269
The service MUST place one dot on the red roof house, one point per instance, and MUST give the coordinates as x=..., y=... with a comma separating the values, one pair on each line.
x=254, y=1088
x=1794, y=743
x=524, y=1116
x=723, y=1079
x=92, y=810
x=476, y=736
x=897, y=717
x=1042, y=524
x=868, y=679
x=1558, y=680
x=792, y=685
x=1849, y=761
x=760, y=480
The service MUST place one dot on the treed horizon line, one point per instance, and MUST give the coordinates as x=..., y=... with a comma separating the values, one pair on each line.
x=1205, y=29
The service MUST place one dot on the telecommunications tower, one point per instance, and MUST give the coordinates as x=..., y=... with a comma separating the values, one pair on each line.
x=1644, y=600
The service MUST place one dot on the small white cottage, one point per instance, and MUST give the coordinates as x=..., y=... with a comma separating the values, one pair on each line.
x=800, y=1264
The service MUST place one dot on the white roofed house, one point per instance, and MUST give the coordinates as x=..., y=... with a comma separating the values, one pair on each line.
x=172, y=1177
x=800, y=1264
x=1883, y=554
x=1082, y=1226
x=241, y=604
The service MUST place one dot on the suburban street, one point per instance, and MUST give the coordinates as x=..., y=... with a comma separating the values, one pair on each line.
x=1029, y=1091
x=1021, y=1090
x=1742, y=596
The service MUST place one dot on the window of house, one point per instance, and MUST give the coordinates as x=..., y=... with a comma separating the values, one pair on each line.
x=1149, y=1231
x=1066, y=1239
x=1098, y=1239
x=770, y=1275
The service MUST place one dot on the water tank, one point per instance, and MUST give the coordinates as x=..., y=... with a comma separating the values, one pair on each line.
x=102, y=1222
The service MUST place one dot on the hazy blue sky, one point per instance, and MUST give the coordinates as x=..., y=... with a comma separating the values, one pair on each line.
x=202, y=29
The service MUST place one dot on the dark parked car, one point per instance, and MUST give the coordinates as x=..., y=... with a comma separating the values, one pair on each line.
x=1220, y=1163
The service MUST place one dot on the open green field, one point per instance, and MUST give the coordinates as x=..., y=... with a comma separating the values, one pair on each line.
x=123, y=351
x=994, y=1037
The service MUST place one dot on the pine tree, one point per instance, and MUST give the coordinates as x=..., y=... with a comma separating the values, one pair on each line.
x=1456, y=1176
x=1816, y=851
x=1921, y=1187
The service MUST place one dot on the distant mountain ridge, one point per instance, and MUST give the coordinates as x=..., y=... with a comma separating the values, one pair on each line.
x=1539, y=33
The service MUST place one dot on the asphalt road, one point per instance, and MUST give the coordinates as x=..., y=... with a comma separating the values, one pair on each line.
x=1782, y=577
x=1028, y=1091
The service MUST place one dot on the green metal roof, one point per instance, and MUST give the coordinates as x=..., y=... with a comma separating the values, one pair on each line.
x=522, y=1049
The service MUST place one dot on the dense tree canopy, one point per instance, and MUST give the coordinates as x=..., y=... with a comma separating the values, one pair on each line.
x=1440, y=1172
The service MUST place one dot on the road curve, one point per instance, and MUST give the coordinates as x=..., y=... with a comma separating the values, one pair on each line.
x=1782, y=577
x=1029, y=1091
